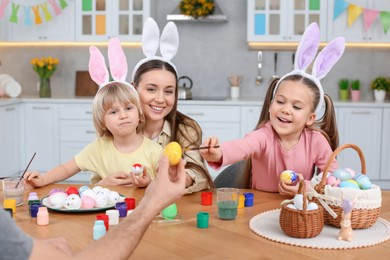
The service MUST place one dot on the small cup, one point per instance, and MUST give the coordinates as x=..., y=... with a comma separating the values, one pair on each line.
x=11, y=191
x=227, y=201
x=113, y=216
x=122, y=208
x=207, y=198
x=241, y=201
x=248, y=199
x=105, y=218
x=33, y=209
x=10, y=204
x=130, y=202
x=202, y=220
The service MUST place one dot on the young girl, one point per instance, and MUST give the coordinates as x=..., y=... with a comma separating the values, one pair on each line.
x=287, y=136
x=118, y=118
x=155, y=79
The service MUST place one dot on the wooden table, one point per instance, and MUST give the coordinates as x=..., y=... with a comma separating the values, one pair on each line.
x=222, y=240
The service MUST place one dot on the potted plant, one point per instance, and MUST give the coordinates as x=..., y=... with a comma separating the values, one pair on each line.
x=355, y=90
x=381, y=86
x=343, y=91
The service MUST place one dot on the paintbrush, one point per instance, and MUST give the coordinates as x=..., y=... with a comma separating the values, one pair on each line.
x=25, y=170
x=200, y=148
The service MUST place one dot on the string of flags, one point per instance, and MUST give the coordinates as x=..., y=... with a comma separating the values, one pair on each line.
x=355, y=11
x=32, y=14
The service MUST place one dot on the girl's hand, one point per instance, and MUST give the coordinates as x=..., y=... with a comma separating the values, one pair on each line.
x=211, y=154
x=140, y=180
x=289, y=190
x=115, y=179
x=34, y=179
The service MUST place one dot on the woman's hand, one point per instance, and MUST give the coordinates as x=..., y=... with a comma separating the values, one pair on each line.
x=211, y=154
x=116, y=179
x=289, y=190
x=34, y=179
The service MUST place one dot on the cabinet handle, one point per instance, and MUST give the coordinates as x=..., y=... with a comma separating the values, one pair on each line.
x=88, y=112
x=40, y=108
x=10, y=109
x=90, y=132
x=195, y=114
x=361, y=112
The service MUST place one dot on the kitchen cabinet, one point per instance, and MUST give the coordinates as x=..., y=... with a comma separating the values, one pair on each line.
x=40, y=135
x=220, y=121
x=10, y=140
x=249, y=117
x=76, y=132
x=356, y=32
x=361, y=126
x=60, y=28
x=99, y=20
x=385, y=165
x=284, y=20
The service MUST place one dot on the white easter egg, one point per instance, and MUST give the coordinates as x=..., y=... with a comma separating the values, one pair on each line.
x=298, y=201
x=90, y=193
x=57, y=199
x=96, y=189
x=101, y=200
x=104, y=191
x=82, y=189
x=73, y=201
x=312, y=206
x=291, y=206
x=113, y=197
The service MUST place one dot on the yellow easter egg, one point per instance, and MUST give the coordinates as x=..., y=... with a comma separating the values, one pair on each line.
x=173, y=151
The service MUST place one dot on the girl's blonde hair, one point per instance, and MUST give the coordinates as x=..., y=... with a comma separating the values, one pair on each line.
x=106, y=96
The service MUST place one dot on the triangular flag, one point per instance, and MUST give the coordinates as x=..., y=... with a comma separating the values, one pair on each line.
x=27, y=15
x=46, y=12
x=55, y=6
x=339, y=7
x=385, y=20
x=14, y=16
x=354, y=12
x=38, y=19
x=369, y=17
x=63, y=4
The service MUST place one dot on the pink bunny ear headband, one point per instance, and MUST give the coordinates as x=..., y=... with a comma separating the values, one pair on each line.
x=118, y=65
x=169, y=43
x=325, y=60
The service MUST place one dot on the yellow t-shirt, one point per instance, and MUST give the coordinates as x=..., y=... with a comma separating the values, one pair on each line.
x=103, y=159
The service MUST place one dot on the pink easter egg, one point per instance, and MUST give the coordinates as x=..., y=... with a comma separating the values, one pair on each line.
x=352, y=172
x=87, y=202
x=52, y=191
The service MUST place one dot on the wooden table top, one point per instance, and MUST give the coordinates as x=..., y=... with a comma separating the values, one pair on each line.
x=224, y=239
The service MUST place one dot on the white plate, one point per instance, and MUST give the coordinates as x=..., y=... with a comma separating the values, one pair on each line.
x=12, y=88
x=3, y=78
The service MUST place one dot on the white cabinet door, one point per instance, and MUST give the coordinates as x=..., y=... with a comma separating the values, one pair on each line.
x=41, y=135
x=10, y=140
x=103, y=19
x=363, y=127
x=385, y=169
x=284, y=20
x=60, y=28
x=249, y=117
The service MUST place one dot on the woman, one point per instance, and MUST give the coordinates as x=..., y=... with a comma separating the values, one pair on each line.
x=156, y=83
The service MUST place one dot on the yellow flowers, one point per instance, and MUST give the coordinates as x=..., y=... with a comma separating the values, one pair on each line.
x=44, y=66
x=197, y=8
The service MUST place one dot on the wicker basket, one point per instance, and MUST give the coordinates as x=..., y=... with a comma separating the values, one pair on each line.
x=301, y=223
x=368, y=202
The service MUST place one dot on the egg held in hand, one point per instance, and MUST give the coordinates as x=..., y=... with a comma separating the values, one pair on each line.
x=173, y=151
x=288, y=176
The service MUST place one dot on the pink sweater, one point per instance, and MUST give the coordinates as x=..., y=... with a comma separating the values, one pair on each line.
x=269, y=159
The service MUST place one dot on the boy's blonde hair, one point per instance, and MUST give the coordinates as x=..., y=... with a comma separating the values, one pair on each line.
x=106, y=96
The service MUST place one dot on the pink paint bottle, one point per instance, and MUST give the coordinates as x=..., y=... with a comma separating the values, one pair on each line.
x=43, y=216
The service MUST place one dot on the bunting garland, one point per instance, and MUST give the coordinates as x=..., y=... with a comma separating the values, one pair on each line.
x=354, y=12
x=32, y=14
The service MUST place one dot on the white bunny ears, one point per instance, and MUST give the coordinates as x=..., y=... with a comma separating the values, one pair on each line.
x=325, y=60
x=117, y=61
x=169, y=43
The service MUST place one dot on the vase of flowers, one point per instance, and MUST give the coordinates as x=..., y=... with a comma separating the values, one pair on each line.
x=197, y=8
x=45, y=67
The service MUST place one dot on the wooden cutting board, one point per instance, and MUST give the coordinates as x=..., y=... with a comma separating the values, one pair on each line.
x=85, y=86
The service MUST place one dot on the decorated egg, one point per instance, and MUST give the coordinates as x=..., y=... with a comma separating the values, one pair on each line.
x=169, y=212
x=352, y=172
x=72, y=190
x=82, y=189
x=332, y=181
x=312, y=206
x=52, y=191
x=173, y=151
x=87, y=202
x=113, y=197
x=342, y=174
x=349, y=184
x=89, y=193
x=288, y=176
x=96, y=189
x=105, y=192
x=137, y=169
x=363, y=181
x=57, y=199
x=73, y=201
x=101, y=200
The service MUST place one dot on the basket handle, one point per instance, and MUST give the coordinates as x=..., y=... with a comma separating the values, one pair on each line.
x=333, y=156
x=302, y=190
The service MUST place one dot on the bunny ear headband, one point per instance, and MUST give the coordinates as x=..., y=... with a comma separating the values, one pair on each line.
x=325, y=60
x=169, y=43
x=118, y=65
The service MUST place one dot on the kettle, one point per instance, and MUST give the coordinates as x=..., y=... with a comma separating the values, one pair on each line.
x=184, y=91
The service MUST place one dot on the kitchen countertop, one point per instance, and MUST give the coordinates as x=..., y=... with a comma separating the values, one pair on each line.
x=208, y=101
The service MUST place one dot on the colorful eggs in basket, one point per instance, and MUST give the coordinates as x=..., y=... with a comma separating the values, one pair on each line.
x=349, y=184
x=288, y=176
x=344, y=174
x=332, y=181
x=363, y=181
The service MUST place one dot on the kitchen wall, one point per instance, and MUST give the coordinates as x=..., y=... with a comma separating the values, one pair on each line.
x=208, y=53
